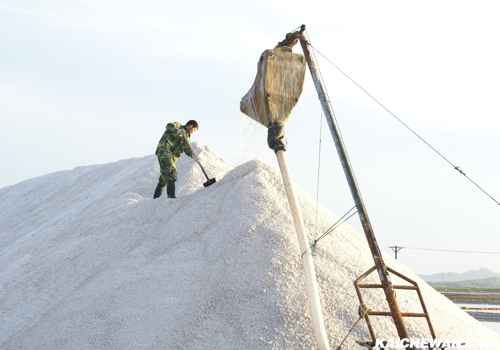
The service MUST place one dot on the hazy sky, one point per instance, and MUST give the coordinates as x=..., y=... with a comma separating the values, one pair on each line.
x=86, y=82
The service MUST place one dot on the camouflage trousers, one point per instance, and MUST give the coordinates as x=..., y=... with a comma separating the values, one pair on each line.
x=168, y=171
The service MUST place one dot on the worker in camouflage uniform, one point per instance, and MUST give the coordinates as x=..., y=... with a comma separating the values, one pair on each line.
x=169, y=149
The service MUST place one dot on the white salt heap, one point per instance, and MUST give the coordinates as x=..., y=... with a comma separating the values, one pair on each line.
x=88, y=260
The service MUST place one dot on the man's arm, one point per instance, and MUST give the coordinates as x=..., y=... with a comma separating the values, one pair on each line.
x=187, y=149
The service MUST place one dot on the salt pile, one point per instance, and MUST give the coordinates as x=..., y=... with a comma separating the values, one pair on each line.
x=89, y=260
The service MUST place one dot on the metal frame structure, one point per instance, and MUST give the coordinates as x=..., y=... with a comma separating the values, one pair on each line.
x=382, y=270
x=414, y=287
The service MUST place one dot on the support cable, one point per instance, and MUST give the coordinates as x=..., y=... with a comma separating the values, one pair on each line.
x=363, y=310
x=327, y=97
x=457, y=168
x=336, y=225
x=328, y=101
x=453, y=251
x=319, y=168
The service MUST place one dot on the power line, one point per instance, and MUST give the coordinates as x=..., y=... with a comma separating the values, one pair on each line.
x=450, y=251
x=456, y=167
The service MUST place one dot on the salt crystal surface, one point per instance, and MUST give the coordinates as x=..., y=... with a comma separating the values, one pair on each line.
x=89, y=260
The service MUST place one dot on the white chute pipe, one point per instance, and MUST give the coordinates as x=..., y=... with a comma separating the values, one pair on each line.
x=307, y=259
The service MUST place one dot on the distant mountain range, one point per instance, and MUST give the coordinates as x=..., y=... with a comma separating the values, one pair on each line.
x=457, y=277
x=484, y=283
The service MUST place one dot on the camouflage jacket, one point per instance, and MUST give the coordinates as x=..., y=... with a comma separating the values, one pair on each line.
x=173, y=143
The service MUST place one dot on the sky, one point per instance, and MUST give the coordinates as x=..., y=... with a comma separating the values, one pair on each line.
x=91, y=82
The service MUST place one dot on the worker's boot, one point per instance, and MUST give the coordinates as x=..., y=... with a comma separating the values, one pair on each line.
x=158, y=191
x=171, y=189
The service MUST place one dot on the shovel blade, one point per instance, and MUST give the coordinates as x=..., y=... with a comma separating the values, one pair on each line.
x=209, y=182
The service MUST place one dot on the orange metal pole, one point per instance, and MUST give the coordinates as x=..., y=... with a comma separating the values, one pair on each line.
x=355, y=192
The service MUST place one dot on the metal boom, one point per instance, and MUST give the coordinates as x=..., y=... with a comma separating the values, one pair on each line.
x=353, y=186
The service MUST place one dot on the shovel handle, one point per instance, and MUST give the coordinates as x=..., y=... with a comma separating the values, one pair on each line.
x=195, y=156
x=189, y=144
x=204, y=172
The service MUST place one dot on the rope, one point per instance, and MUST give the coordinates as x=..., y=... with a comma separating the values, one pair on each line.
x=328, y=101
x=457, y=168
x=327, y=96
x=319, y=168
x=362, y=312
x=339, y=222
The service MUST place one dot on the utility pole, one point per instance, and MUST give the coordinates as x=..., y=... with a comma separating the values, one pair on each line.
x=396, y=250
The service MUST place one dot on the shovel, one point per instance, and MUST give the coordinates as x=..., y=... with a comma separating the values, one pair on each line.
x=209, y=181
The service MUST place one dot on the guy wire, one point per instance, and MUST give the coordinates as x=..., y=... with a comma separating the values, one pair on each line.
x=319, y=168
x=429, y=145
